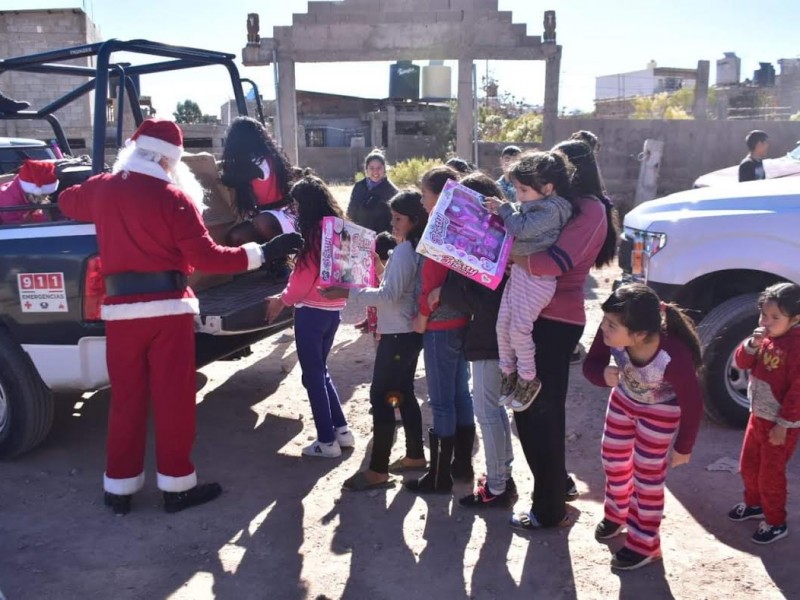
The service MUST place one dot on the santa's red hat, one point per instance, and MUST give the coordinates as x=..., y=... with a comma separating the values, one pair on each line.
x=38, y=177
x=160, y=136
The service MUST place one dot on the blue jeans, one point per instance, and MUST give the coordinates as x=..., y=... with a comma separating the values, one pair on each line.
x=314, y=330
x=493, y=420
x=447, y=372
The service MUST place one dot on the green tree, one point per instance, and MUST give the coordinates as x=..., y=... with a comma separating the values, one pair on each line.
x=675, y=105
x=187, y=112
x=508, y=124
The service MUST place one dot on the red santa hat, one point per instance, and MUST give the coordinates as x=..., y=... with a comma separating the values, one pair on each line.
x=161, y=136
x=38, y=177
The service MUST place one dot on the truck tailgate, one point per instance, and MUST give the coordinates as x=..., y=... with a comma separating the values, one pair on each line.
x=239, y=306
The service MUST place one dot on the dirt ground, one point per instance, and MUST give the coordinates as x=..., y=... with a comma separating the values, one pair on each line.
x=284, y=530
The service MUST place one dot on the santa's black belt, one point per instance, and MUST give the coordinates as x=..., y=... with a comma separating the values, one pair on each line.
x=129, y=284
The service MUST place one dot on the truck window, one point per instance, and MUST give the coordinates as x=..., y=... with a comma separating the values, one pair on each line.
x=11, y=158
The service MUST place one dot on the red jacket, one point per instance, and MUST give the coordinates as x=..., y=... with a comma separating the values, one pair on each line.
x=774, y=388
x=146, y=224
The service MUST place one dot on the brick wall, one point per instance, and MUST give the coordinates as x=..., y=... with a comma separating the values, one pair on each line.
x=32, y=31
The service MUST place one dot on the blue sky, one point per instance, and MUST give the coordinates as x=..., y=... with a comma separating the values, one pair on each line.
x=599, y=37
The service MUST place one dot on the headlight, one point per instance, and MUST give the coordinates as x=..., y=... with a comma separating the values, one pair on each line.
x=646, y=244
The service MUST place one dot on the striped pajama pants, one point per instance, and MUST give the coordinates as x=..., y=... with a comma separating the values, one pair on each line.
x=635, y=450
x=524, y=297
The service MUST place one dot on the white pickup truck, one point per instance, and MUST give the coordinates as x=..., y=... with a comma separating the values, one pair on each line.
x=712, y=250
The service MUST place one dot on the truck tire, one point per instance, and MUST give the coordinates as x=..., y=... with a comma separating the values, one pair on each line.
x=26, y=404
x=720, y=332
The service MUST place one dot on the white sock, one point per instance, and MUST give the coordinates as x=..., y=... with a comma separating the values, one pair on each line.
x=342, y=429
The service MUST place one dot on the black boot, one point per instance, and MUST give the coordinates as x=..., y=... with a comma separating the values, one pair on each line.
x=199, y=494
x=8, y=105
x=120, y=504
x=462, y=454
x=438, y=479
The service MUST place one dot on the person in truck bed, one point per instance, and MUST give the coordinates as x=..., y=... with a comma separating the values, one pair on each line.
x=150, y=236
x=33, y=184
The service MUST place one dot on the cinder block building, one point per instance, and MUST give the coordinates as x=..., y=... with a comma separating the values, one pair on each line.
x=32, y=31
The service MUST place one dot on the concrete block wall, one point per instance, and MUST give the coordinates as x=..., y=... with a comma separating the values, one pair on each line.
x=31, y=31
x=691, y=148
x=334, y=164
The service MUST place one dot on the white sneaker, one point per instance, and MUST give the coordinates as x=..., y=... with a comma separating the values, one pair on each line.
x=318, y=449
x=345, y=437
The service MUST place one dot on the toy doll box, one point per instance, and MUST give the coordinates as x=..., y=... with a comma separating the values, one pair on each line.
x=346, y=259
x=465, y=237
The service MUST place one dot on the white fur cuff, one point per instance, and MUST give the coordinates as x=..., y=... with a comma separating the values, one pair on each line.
x=123, y=487
x=167, y=483
x=255, y=257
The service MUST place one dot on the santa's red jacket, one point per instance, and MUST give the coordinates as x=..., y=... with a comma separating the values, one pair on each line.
x=774, y=388
x=146, y=224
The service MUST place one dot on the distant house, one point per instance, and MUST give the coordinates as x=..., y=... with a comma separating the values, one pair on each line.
x=337, y=131
x=613, y=93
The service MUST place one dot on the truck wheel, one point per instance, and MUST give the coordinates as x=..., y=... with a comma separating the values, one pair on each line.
x=725, y=385
x=26, y=404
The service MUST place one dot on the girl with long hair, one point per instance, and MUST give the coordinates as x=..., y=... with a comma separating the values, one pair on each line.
x=588, y=240
x=316, y=318
x=398, y=348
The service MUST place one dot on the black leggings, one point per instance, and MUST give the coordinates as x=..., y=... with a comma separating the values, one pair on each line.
x=393, y=385
x=542, y=427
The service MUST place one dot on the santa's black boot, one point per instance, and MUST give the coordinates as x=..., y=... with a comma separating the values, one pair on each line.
x=120, y=504
x=200, y=494
x=462, y=454
x=438, y=479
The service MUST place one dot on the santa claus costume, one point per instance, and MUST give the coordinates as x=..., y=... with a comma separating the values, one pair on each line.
x=150, y=236
x=36, y=179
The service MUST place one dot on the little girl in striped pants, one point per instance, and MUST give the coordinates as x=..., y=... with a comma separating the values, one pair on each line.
x=655, y=392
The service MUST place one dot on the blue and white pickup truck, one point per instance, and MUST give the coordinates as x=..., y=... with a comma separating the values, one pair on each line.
x=51, y=288
x=712, y=250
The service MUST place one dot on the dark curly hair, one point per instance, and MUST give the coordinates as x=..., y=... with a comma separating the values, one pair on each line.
x=313, y=200
x=246, y=144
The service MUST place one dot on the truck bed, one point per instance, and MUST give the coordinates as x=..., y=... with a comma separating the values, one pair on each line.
x=239, y=306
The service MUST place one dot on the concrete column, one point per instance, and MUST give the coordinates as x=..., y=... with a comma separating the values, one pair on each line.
x=464, y=116
x=391, y=132
x=551, y=80
x=287, y=108
x=376, y=130
x=700, y=104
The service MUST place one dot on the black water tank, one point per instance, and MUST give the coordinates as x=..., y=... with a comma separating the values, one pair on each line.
x=404, y=80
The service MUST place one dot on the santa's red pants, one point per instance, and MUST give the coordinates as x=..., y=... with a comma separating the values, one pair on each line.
x=763, y=468
x=151, y=359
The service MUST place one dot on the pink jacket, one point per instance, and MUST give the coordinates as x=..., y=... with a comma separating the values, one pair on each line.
x=11, y=194
x=301, y=290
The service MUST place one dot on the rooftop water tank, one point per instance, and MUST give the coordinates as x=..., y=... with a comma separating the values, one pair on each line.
x=404, y=80
x=436, y=82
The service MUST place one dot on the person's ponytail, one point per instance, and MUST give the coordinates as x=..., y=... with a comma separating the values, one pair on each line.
x=609, y=248
x=677, y=323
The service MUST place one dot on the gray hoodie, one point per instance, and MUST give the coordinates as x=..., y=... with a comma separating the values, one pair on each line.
x=395, y=297
x=535, y=225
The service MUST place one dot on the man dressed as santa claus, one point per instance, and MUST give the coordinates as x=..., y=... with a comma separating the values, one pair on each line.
x=33, y=184
x=150, y=236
